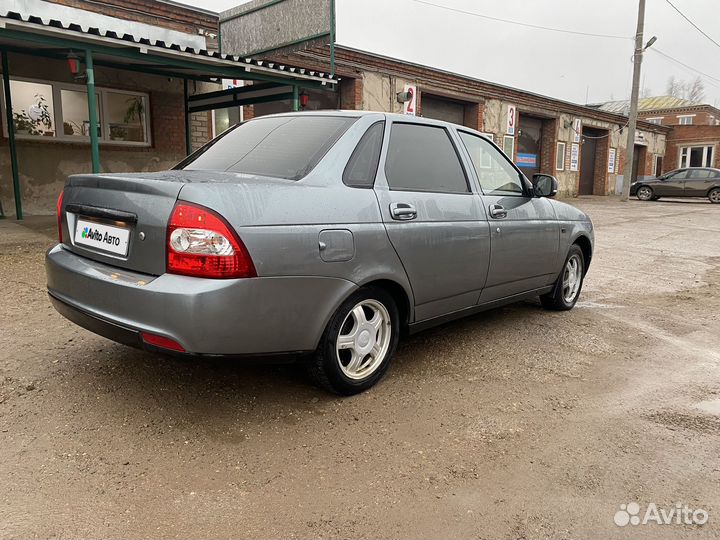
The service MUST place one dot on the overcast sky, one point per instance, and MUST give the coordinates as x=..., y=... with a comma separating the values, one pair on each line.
x=561, y=65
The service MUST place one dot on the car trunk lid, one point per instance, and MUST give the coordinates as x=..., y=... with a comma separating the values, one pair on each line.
x=121, y=219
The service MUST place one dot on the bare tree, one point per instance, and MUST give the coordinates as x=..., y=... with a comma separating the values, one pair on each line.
x=674, y=87
x=693, y=91
x=696, y=90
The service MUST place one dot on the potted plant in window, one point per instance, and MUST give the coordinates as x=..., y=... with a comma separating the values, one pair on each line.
x=135, y=112
x=24, y=125
x=39, y=113
x=118, y=133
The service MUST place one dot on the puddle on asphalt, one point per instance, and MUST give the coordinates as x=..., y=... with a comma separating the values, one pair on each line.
x=711, y=407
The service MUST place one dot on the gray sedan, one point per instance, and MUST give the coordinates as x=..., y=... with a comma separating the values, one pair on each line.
x=326, y=234
x=690, y=182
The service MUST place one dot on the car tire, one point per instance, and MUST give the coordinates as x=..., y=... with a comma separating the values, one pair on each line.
x=566, y=290
x=358, y=343
x=714, y=196
x=645, y=193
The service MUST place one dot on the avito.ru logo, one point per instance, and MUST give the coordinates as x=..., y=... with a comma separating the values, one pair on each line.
x=680, y=514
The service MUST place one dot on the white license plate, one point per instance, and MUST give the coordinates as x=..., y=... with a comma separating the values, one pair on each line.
x=102, y=237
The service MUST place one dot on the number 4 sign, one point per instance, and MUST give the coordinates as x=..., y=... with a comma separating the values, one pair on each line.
x=511, y=115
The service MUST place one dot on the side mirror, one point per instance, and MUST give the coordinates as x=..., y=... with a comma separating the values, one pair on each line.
x=544, y=185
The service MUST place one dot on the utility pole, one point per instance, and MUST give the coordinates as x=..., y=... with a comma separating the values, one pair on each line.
x=632, y=120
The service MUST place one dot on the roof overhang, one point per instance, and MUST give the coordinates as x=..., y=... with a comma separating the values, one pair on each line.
x=52, y=38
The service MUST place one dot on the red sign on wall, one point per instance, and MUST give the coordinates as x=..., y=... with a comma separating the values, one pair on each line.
x=511, y=117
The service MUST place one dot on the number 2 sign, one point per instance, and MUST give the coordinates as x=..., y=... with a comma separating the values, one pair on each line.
x=410, y=106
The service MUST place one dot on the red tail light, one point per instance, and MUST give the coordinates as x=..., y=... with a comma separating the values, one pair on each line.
x=161, y=342
x=59, y=215
x=200, y=243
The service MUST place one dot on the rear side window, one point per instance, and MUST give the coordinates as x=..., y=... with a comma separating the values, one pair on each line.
x=282, y=147
x=423, y=158
x=699, y=174
x=362, y=165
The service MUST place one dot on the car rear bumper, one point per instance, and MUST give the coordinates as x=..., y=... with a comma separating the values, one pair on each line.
x=264, y=315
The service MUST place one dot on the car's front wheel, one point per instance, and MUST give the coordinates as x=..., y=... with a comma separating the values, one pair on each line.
x=568, y=285
x=645, y=193
x=358, y=343
x=714, y=195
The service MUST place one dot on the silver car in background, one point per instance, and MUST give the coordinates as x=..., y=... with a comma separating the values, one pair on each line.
x=325, y=233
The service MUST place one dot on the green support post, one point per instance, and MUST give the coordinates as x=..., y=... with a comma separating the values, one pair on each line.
x=92, y=112
x=188, y=126
x=11, y=136
x=296, y=98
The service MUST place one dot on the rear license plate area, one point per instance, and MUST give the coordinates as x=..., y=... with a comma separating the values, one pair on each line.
x=102, y=237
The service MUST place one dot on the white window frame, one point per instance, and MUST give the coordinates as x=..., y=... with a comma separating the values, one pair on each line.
x=655, y=120
x=682, y=117
x=561, y=154
x=106, y=123
x=684, y=154
x=58, y=119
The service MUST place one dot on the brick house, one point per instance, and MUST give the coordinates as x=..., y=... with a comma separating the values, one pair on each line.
x=694, y=137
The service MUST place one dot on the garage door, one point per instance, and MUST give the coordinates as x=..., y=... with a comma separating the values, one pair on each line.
x=442, y=109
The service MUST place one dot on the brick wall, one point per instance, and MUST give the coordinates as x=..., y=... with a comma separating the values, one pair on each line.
x=349, y=62
x=351, y=94
x=165, y=15
x=646, y=165
x=705, y=115
x=600, y=174
x=548, y=146
x=473, y=117
x=200, y=129
x=167, y=121
x=694, y=135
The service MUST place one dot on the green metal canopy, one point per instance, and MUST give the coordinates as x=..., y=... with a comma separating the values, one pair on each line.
x=32, y=35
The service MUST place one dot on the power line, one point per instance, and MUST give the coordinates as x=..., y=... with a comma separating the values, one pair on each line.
x=686, y=66
x=519, y=23
x=692, y=23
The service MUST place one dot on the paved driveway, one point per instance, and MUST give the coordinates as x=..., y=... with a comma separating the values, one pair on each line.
x=514, y=423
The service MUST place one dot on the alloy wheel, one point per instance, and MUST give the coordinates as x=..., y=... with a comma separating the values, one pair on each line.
x=572, y=278
x=644, y=193
x=364, y=339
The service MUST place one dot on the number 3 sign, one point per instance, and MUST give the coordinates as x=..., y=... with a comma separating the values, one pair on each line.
x=510, y=128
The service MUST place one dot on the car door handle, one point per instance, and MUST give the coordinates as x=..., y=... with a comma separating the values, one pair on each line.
x=403, y=211
x=497, y=211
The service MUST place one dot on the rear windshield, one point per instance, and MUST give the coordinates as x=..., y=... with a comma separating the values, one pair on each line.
x=282, y=147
